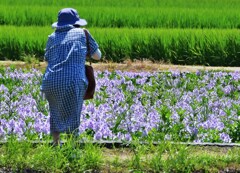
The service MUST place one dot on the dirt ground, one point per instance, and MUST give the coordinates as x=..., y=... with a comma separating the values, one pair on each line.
x=128, y=66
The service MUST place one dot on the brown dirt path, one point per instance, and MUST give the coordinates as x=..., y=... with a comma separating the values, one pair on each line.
x=128, y=66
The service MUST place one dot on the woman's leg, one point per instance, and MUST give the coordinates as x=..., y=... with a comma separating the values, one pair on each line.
x=56, y=138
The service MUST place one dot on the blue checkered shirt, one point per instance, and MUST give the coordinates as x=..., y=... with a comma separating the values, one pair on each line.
x=64, y=82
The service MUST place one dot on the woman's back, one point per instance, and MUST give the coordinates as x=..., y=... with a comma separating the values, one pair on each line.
x=66, y=54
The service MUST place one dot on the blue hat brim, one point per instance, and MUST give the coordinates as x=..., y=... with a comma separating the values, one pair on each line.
x=80, y=22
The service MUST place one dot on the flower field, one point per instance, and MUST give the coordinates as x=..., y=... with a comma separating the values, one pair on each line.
x=183, y=106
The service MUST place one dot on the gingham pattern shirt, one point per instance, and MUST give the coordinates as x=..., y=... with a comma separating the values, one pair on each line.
x=64, y=82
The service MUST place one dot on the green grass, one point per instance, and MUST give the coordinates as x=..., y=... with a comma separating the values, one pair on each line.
x=72, y=157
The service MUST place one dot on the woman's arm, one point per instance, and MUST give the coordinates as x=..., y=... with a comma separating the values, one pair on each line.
x=95, y=52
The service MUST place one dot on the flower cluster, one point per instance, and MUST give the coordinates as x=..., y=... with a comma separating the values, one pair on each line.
x=199, y=107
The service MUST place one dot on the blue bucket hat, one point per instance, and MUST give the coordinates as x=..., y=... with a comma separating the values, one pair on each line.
x=69, y=16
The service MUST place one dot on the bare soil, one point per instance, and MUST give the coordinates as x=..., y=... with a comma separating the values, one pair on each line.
x=137, y=66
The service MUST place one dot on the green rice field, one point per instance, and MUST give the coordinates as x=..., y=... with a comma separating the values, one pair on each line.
x=191, y=32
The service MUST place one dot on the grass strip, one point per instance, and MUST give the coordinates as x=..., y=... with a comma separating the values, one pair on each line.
x=22, y=156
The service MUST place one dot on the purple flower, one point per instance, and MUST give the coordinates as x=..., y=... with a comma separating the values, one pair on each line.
x=228, y=89
x=2, y=132
x=12, y=123
x=18, y=130
x=128, y=137
x=98, y=135
x=3, y=88
x=37, y=128
x=225, y=137
x=198, y=72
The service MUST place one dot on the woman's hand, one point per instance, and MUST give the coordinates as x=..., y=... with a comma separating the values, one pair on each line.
x=97, y=55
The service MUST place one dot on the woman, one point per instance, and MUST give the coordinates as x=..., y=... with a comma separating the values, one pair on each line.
x=64, y=82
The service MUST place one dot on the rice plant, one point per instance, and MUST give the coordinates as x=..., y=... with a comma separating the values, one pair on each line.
x=144, y=14
x=215, y=47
